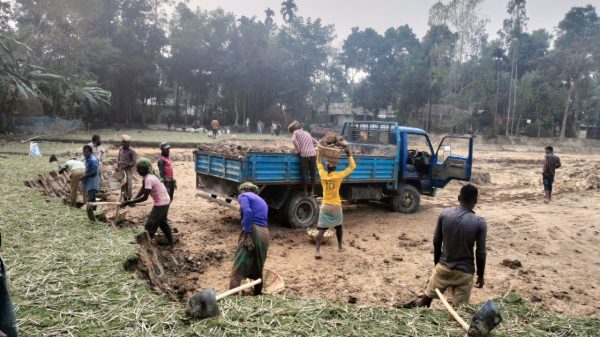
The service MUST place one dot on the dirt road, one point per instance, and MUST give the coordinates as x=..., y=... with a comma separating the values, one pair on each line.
x=389, y=256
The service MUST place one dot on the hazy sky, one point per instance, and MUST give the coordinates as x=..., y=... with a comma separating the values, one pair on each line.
x=382, y=14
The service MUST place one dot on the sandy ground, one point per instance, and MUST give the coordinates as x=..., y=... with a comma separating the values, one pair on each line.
x=389, y=256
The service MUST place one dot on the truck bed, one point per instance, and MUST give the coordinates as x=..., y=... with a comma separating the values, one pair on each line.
x=284, y=168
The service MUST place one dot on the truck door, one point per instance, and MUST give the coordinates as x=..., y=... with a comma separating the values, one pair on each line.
x=452, y=160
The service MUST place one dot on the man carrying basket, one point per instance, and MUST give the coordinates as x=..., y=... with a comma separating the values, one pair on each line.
x=330, y=214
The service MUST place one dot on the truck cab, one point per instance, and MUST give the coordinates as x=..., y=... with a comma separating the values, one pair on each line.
x=420, y=169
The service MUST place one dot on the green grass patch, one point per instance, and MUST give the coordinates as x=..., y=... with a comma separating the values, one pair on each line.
x=66, y=279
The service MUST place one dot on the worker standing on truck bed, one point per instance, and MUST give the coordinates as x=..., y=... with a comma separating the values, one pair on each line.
x=126, y=162
x=551, y=163
x=76, y=170
x=253, y=244
x=458, y=230
x=305, y=145
x=330, y=214
x=152, y=186
x=165, y=169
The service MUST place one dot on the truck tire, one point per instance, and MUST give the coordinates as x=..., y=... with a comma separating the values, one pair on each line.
x=407, y=200
x=301, y=211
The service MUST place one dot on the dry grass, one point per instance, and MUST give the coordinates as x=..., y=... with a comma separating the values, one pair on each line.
x=148, y=135
x=66, y=279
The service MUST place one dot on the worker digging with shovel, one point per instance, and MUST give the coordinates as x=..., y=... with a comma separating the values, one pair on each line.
x=458, y=230
x=76, y=171
x=152, y=186
x=253, y=244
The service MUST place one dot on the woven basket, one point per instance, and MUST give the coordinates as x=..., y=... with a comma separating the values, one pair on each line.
x=331, y=154
x=117, y=180
x=313, y=232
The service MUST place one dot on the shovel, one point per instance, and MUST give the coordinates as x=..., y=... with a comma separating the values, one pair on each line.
x=204, y=304
x=484, y=320
x=53, y=158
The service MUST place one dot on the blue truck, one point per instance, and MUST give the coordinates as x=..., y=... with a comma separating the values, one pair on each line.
x=395, y=165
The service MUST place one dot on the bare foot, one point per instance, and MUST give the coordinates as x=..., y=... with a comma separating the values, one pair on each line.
x=318, y=256
x=341, y=249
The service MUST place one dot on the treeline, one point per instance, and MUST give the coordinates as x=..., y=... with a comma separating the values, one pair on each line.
x=159, y=58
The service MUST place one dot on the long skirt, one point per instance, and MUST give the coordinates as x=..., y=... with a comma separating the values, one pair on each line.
x=250, y=263
x=330, y=216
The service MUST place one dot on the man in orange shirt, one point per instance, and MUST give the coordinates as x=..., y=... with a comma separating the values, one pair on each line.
x=215, y=127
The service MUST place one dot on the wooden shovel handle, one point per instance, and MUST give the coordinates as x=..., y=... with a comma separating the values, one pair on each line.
x=460, y=321
x=104, y=203
x=238, y=289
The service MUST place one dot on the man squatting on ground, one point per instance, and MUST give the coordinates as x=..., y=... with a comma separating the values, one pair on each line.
x=457, y=231
x=551, y=163
x=91, y=178
x=76, y=170
x=165, y=169
x=305, y=145
x=126, y=161
x=253, y=244
x=8, y=319
x=330, y=214
x=152, y=186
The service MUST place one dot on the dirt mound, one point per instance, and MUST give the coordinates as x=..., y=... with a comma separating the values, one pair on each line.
x=512, y=264
x=58, y=185
x=235, y=151
x=481, y=178
x=169, y=269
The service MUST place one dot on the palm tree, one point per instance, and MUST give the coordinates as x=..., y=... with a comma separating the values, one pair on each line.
x=18, y=78
x=269, y=19
x=288, y=10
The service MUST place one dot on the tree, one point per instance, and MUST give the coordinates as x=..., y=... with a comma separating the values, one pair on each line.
x=438, y=46
x=577, y=53
x=288, y=10
x=269, y=13
x=514, y=28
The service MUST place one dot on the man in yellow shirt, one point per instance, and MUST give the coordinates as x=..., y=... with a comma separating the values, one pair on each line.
x=330, y=215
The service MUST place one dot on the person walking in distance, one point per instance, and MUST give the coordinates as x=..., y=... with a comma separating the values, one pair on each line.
x=551, y=163
x=305, y=145
x=247, y=125
x=126, y=162
x=457, y=231
x=330, y=214
x=214, y=125
x=165, y=169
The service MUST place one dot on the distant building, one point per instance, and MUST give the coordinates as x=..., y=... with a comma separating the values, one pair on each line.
x=339, y=113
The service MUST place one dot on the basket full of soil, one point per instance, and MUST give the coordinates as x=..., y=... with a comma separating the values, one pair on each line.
x=331, y=147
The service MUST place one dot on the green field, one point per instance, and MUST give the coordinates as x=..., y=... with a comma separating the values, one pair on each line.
x=66, y=279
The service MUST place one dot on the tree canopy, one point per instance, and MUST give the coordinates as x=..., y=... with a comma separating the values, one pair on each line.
x=142, y=61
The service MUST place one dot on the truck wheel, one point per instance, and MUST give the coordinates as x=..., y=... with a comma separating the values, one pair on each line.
x=407, y=200
x=301, y=211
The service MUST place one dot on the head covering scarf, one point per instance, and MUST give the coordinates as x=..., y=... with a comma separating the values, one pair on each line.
x=126, y=138
x=146, y=163
x=248, y=187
